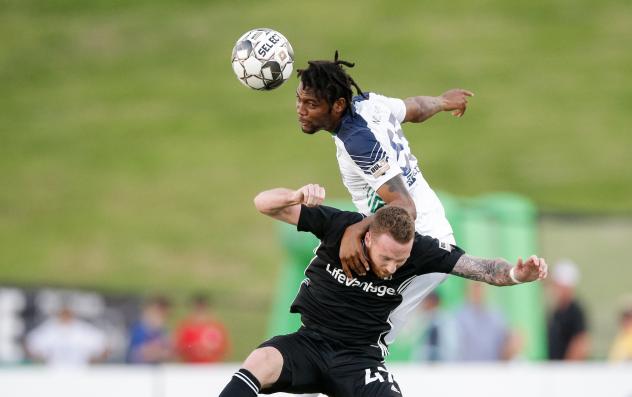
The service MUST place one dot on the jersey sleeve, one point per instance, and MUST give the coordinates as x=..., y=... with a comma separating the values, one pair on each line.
x=371, y=157
x=395, y=105
x=325, y=222
x=430, y=255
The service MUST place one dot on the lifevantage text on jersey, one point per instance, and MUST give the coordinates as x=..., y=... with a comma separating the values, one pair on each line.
x=379, y=290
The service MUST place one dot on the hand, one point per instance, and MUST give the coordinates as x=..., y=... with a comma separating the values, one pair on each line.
x=455, y=100
x=532, y=269
x=311, y=195
x=352, y=255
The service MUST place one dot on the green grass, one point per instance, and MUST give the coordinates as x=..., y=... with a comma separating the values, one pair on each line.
x=129, y=153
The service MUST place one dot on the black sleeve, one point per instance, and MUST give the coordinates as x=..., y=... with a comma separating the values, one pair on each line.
x=324, y=221
x=430, y=255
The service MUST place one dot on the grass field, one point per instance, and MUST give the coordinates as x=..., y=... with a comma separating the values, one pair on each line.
x=130, y=154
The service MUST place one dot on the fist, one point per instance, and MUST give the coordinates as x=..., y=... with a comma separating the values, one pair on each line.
x=311, y=195
x=532, y=269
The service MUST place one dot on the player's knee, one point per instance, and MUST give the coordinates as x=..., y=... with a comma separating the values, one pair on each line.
x=265, y=363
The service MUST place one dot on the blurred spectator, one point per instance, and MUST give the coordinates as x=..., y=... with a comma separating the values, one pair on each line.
x=66, y=340
x=438, y=340
x=483, y=332
x=201, y=338
x=149, y=337
x=621, y=349
x=567, y=331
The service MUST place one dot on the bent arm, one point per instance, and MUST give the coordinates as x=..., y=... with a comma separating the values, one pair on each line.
x=285, y=204
x=394, y=192
x=497, y=271
x=352, y=256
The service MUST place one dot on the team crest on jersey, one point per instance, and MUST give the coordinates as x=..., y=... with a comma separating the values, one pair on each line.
x=378, y=169
x=445, y=246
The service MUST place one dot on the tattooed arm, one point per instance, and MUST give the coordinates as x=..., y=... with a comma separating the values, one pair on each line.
x=497, y=271
x=394, y=192
x=421, y=108
x=352, y=257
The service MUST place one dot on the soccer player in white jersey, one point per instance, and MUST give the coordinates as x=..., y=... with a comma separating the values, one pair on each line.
x=375, y=160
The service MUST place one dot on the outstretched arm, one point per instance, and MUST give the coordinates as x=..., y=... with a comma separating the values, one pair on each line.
x=499, y=272
x=421, y=108
x=285, y=204
x=352, y=257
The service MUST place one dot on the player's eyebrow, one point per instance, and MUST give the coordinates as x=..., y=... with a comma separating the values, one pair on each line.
x=303, y=98
x=395, y=259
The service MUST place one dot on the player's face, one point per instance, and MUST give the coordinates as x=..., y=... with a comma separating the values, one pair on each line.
x=314, y=114
x=385, y=254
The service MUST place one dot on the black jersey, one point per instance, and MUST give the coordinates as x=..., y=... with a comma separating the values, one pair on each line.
x=356, y=311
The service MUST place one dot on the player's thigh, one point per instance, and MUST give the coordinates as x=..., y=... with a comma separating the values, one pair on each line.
x=304, y=362
x=265, y=363
x=373, y=380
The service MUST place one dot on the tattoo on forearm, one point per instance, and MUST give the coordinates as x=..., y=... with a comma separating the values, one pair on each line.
x=491, y=271
x=396, y=185
x=399, y=195
x=429, y=107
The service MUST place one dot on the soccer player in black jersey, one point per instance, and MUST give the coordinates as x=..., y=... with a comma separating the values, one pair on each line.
x=340, y=348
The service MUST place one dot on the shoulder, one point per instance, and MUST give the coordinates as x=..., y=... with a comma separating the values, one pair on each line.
x=323, y=219
x=433, y=255
x=138, y=329
x=354, y=126
x=575, y=308
x=338, y=216
x=424, y=242
x=322, y=211
x=84, y=326
x=384, y=108
x=355, y=131
x=43, y=330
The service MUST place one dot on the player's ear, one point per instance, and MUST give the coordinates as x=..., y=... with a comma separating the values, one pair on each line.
x=367, y=239
x=340, y=105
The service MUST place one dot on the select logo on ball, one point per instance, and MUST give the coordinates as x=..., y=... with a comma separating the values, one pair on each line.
x=262, y=59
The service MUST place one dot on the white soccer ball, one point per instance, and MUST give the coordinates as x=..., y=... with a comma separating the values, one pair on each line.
x=262, y=59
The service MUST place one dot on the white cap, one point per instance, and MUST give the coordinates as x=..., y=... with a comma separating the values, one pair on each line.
x=566, y=273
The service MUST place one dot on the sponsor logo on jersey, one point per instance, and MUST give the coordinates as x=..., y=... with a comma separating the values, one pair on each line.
x=445, y=246
x=378, y=169
x=340, y=277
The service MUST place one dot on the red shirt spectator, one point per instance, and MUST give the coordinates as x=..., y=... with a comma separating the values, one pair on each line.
x=200, y=338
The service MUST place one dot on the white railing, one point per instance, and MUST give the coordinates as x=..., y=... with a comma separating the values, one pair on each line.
x=449, y=380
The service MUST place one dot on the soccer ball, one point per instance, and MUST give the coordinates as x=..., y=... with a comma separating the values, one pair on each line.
x=262, y=59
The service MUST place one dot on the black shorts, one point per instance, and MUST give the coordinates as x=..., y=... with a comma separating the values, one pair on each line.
x=313, y=363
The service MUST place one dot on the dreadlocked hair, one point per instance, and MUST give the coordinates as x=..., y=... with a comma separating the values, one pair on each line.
x=329, y=80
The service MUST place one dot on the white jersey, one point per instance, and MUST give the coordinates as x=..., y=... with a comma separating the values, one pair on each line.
x=371, y=149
